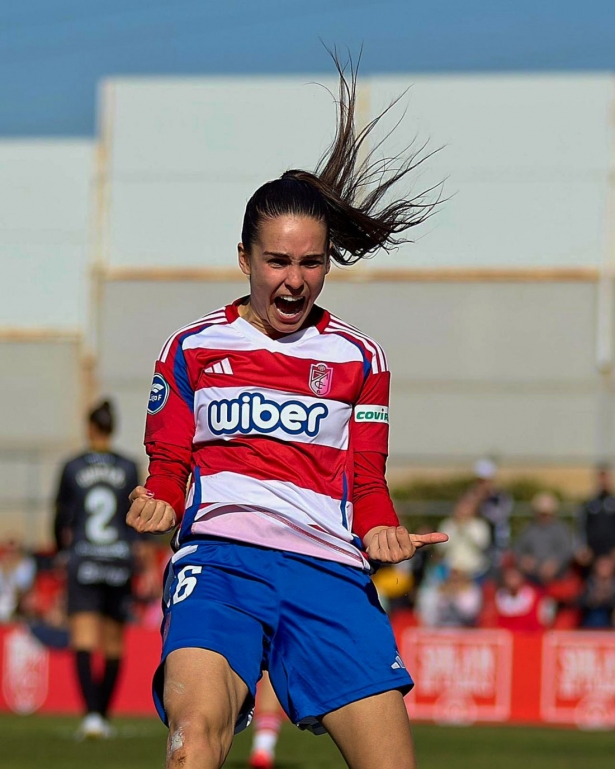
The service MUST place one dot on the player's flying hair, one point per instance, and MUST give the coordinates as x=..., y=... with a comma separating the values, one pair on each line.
x=345, y=192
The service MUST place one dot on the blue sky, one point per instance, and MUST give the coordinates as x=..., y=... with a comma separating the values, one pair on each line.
x=53, y=52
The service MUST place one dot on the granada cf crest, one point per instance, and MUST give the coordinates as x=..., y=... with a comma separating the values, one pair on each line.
x=321, y=378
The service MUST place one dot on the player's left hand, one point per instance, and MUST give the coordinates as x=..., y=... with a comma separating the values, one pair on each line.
x=393, y=544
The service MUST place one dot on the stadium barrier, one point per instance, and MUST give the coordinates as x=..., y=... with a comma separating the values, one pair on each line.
x=36, y=679
x=463, y=676
x=473, y=676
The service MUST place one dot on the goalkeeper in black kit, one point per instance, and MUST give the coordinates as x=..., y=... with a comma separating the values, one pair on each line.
x=90, y=528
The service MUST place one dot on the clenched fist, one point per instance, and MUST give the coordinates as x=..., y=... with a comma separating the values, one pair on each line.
x=148, y=514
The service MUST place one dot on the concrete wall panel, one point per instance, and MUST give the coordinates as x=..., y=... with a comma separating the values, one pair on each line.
x=45, y=207
x=526, y=161
x=505, y=369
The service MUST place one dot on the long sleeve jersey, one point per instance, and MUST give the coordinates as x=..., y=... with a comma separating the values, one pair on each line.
x=284, y=440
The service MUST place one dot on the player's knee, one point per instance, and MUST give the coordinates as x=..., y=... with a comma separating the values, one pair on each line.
x=198, y=736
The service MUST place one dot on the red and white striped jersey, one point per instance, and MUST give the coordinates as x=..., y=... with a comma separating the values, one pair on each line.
x=271, y=430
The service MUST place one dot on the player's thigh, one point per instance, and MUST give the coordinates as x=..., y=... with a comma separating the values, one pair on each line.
x=373, y=732
x=218, y=599
x=112, y=637
x=85, y=630
x=334, y=644
x=202, y=696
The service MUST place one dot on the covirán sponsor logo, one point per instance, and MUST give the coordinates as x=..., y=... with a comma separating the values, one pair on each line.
x=369, y=413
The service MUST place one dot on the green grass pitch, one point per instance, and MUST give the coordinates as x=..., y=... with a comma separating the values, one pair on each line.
x=41, y=742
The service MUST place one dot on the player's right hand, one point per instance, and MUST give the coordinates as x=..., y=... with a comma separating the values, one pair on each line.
x=149, y=515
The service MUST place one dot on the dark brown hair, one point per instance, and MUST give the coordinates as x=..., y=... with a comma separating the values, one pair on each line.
x=102, y=417
x=347, y=195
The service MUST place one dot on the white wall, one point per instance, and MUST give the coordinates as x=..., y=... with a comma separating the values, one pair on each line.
x=185, y=156
x=525, y=159
x=45, y=206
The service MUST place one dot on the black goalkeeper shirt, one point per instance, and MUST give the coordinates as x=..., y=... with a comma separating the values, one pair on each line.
x=91, y=507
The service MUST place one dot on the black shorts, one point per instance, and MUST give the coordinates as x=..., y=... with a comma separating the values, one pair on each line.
x=108, y=597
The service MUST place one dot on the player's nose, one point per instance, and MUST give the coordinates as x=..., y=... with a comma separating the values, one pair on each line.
x=294, y=278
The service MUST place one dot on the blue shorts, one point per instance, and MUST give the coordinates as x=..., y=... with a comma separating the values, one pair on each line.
x=315, y=625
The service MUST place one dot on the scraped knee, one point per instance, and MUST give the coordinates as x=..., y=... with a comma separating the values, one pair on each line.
x=195, y=741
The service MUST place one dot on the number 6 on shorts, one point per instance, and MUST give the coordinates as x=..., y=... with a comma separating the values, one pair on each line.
x=185, y=584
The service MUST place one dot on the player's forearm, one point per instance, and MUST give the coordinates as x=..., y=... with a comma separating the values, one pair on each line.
x=372, y=502
x=168, y=473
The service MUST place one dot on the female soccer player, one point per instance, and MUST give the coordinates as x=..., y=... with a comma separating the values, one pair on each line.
x=279, y=413
x=90, y=524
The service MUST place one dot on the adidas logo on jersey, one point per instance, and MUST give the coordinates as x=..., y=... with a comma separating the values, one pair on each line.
x=398, y=664
x=220, y=367
x=253, y=413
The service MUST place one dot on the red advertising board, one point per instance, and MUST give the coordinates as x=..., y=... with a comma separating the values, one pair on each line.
x=25, y=671
x=578, y=679
x=462, y=676
x=37, y=679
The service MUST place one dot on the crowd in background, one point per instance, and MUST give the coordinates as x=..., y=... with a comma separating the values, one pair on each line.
x=551, y=574
x=33, y=588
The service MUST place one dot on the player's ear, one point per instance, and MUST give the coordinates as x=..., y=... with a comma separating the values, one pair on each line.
x=328, y=260
x=243, y=258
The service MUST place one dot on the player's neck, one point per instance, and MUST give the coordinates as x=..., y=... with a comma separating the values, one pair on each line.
x=100, y=445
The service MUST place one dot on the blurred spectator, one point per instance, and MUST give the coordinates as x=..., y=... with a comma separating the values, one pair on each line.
x=397, y=584
x=150, y=560
x=46, y=601
x=520, y=605
x=565, y=593
x=453, y=602
x=394, y=583
x=44, y=606
x=17, y=573
x=419, y=562
x=544, y=548
x=467, y=549
x=596, y=522
x=495, y=506
x=598, y=599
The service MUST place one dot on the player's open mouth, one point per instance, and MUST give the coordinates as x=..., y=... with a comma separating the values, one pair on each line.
x=288, y=307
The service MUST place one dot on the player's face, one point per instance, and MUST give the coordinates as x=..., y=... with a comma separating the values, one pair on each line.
x=287, y=266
